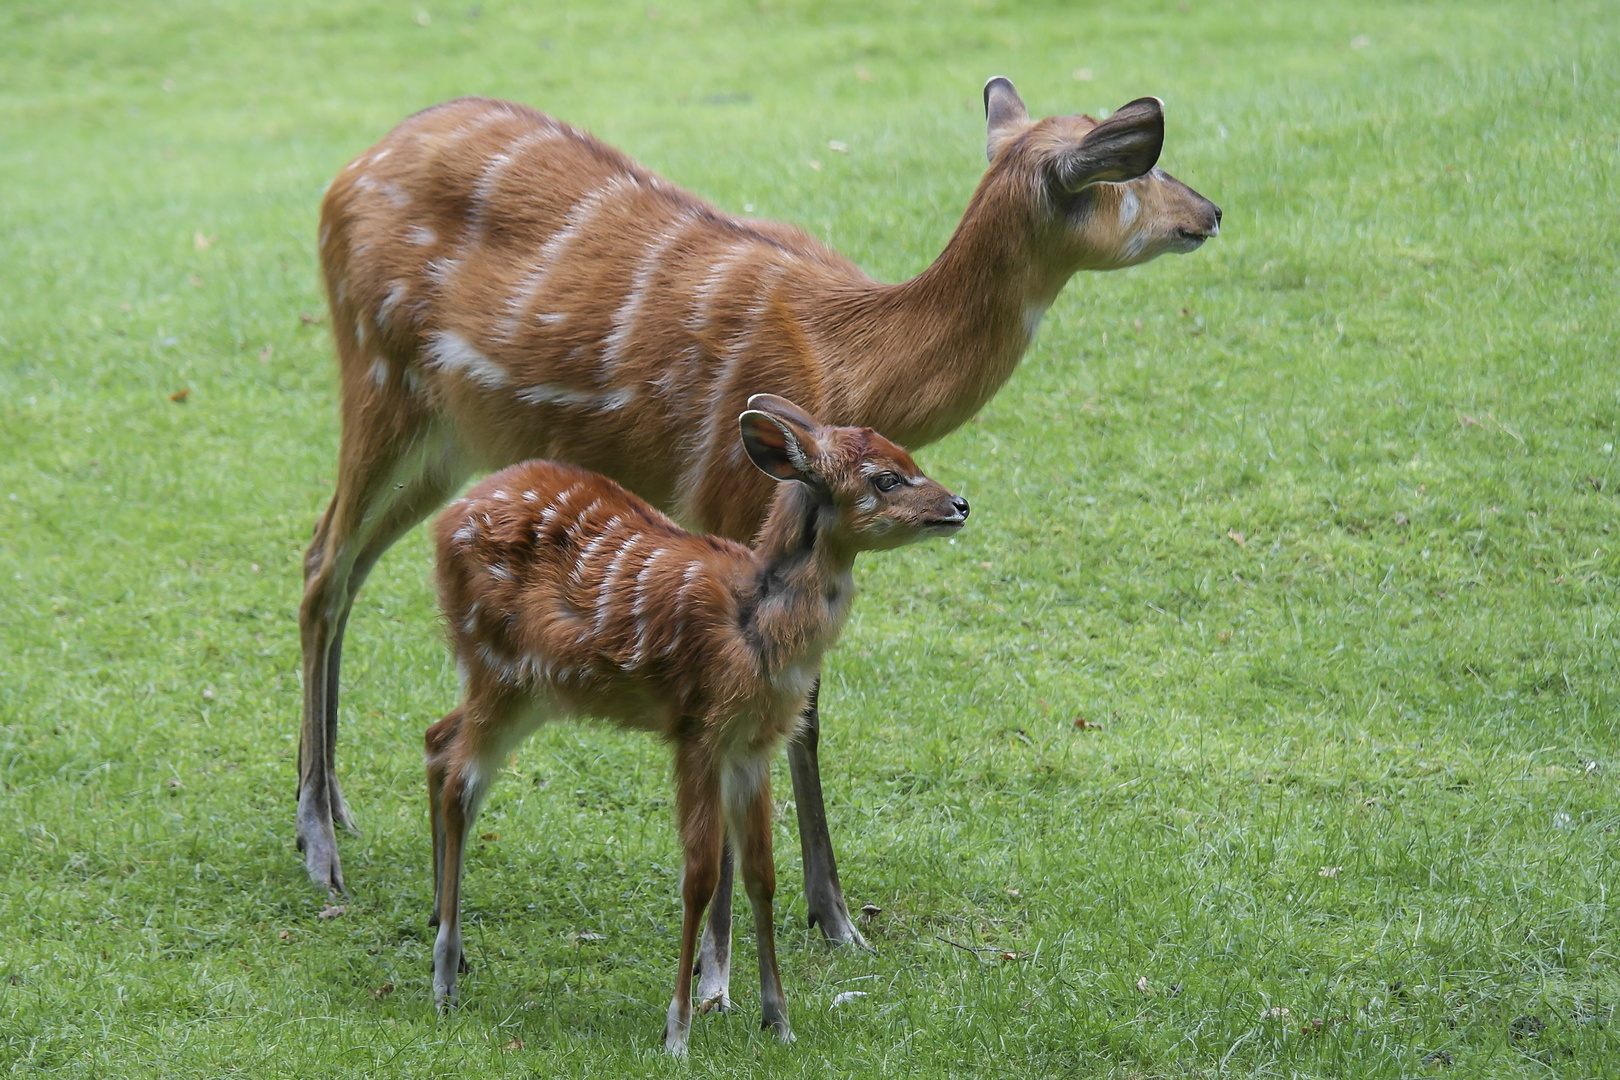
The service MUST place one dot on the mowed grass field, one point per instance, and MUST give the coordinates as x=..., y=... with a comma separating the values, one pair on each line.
x=1314, y=528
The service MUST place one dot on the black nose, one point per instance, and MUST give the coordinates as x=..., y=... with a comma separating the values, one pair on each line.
x=960, y=504
x=1217, y=214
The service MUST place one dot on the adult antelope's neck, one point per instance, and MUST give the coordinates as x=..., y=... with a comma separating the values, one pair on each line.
x=918, y=359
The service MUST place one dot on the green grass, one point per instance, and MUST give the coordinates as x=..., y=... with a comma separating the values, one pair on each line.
x=1317, y=523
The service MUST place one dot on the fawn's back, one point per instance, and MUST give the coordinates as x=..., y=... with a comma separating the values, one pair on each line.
x=558, y=581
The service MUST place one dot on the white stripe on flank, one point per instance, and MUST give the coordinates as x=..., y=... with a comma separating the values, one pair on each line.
x=582, y=521
x=703, y=296
x=604, y=591
x=441, y=271
x=548, y=394
x=396, y=293
x=624, y=319
x=638, y=610
x=574, y=222
x=688, y=579
x=550, y=514
x=714, y=424
x=585, y=556
x=450, y=352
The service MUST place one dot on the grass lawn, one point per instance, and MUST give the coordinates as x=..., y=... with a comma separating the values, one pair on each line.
x=1314, y=527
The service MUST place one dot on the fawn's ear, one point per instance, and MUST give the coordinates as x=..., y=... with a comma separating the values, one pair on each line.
x=783, y=408
x=1122, y=147
x=783, y=449
x=1004, y=114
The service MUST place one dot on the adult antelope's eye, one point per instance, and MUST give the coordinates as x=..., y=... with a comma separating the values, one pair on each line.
x=886, y=481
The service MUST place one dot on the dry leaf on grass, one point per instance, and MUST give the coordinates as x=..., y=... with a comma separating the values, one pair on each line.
x=180, y=395
x=331, y=911
x=383, y=991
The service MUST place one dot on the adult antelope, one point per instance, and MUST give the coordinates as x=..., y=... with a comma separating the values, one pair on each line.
x=565, y=595
x=503, y=286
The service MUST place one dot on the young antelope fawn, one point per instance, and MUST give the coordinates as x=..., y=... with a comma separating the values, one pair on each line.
x=568, y=596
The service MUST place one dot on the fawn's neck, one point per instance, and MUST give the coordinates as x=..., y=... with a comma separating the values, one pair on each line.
x=805, y=584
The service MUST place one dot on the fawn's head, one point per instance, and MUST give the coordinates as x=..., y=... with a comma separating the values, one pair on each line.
x=877, y=495
x=1108, y=204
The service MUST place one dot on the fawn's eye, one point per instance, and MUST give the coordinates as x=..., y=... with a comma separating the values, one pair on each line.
x=886, y=481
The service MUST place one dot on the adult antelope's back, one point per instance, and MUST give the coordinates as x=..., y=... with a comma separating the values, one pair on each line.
x=503, y=286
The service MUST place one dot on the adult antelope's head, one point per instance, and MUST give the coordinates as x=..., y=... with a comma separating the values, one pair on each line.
x=1107, y=203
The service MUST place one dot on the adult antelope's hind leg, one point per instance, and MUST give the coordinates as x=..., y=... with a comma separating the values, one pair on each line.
x=714, y=951
x=823, y=894
x=395, y=466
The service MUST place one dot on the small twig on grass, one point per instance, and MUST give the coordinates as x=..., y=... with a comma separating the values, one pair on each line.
x=975, y=949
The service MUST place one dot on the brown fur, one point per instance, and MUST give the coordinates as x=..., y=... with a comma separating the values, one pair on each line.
x=503, y=286
x=568, y=596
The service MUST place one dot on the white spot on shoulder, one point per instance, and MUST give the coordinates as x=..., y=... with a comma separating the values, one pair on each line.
x=379, y=371
x=450, y=352
x=1129, y=206
x=421, y=235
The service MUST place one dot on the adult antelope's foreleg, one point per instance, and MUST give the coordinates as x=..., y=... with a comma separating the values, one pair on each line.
x=824, y=896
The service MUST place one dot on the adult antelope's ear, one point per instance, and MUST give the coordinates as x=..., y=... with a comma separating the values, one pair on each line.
x=1122, y=147
x=782, y=448
x=1004, y=114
